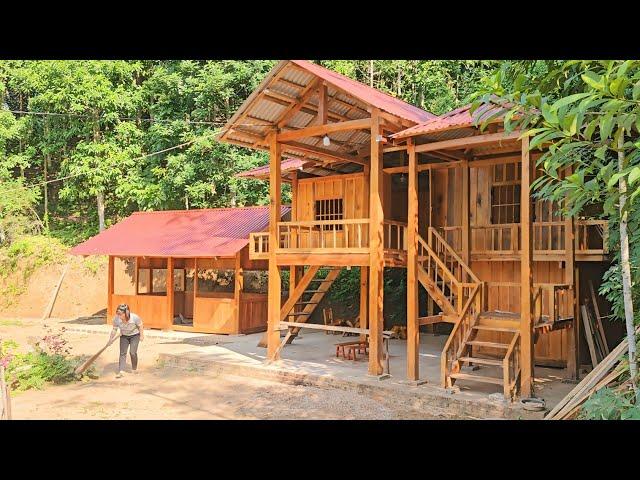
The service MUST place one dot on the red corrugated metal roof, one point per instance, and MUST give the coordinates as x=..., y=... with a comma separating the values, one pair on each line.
x=217, y=232
x=458, y=118
x=287, y=165
x=367, y=94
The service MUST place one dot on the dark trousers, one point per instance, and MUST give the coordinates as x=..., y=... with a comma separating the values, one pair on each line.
x=125, y=341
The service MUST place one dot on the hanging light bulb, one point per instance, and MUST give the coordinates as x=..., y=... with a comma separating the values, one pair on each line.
x=326, y=141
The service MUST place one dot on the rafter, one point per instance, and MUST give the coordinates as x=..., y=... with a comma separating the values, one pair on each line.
x=321, y=153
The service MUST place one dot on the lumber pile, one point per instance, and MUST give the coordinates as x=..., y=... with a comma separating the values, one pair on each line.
x=602, y=375
x=593, y=329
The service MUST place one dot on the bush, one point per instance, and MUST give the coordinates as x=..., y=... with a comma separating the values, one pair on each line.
x=609, y=404
x=49, y=362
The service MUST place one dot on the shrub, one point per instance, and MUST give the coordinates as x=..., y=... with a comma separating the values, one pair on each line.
x=48, y=362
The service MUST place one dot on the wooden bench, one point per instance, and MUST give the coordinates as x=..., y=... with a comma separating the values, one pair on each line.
x=348, y=350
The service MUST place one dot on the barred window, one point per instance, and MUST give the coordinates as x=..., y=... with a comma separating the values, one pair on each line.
x=505, y=193
x=329, y=209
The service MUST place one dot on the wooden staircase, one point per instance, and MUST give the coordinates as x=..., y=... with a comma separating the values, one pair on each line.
x=460, y=295
x=304, y=299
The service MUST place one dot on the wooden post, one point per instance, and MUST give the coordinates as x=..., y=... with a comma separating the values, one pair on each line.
x=170, y=293
x=376, y=254
x=364, y=300
x=195, y=288
x=526, y=277
x=322, y=105
x=293, y=270
x=136, y=274
x=273, y=299
x=573, y=341
x=110, y=273
x=237, y=292
x=466, y=241
x=413, y=327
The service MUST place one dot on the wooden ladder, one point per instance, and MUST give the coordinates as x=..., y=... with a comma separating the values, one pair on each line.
x=304, y=299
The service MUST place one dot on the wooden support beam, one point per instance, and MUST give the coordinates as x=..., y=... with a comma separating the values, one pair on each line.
x=110, y=288
x=323, y=108
x=296, y=107
x=326, y=155
x=468, y=142
x=170, y=293
x=466, y=230
x=413, y=327
x=323, y=129
x=526, y=276
x=237, y=291
x=376, y=256
x=364, y=299
x=423, y=167
x=274, y=295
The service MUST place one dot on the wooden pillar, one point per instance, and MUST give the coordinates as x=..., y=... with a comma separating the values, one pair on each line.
x=413, y=327
x=293, y=270
x=376, y=254
x=110, y=274
x=364, y=299
x=274, y=297
x=170, y=293
x=526, y=277
x=195, y=288
x=323, y=111
x=466, y=239
x=573, y=358
x=136, y=274
x=237, y=292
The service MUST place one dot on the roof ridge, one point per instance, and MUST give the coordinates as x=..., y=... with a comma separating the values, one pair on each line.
x=205, y=209
x=333, y=72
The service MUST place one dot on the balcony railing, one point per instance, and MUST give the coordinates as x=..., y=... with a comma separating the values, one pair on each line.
x=548, y=238
x=328, y=236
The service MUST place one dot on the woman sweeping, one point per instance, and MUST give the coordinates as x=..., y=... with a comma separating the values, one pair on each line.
x=131, y=334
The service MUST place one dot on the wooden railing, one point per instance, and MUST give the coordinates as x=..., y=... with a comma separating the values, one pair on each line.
x=548, y=237
x=455, y=346
x=395, y=235
x=465, y=278
x=258, y=245
x=511, y=367
x=324, y=235
x=439, y=276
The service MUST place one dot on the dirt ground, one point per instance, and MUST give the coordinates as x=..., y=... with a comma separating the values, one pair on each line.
x=161, y=392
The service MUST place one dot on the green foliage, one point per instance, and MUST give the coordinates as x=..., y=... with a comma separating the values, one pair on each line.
x=609, y=404
x=26, y=255
x=580, y=109
x=48, y=362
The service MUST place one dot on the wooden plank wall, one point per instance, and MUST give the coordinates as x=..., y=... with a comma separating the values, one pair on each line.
x=348, y=187
x=446, y=185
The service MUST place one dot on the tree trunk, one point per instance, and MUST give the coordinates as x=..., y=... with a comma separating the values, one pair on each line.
x=371, y=73
x=100, y=199
x=626, y=269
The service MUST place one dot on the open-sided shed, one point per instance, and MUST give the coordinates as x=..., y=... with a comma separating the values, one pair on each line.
x=185, y=269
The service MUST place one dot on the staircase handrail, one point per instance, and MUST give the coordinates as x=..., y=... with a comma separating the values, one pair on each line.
x=453, y=253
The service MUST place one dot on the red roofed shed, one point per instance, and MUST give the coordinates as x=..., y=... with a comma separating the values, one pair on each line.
x=186, y=269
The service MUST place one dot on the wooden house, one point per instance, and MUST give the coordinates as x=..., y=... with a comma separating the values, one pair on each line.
x=185, y=270
x=380, y=183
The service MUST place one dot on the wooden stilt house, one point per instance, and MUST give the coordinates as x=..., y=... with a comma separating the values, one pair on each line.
x=380, y=183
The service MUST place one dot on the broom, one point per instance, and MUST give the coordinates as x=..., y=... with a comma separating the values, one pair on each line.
x=80, y=369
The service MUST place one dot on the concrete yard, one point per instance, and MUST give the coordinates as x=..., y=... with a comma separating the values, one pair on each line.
x=188, y=375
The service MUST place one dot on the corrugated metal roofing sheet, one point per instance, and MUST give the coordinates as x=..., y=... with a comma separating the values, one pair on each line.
x=458, y=118
x=218, y=232
x=287, y=165
x=367, y=94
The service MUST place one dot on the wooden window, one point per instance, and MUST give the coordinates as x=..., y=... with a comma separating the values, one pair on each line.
x=505, y=193
x=329, y=209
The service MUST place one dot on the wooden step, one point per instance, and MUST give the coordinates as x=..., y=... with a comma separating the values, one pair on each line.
x=476, y=378
x=314, y=291
x=321, y=280
x=482, y=361
x=307, y=303
x=295, y=314
x=495, y=329
x=479, y=343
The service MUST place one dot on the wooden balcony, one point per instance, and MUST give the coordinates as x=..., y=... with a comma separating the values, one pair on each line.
x=502, y=242
x=330, y=242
